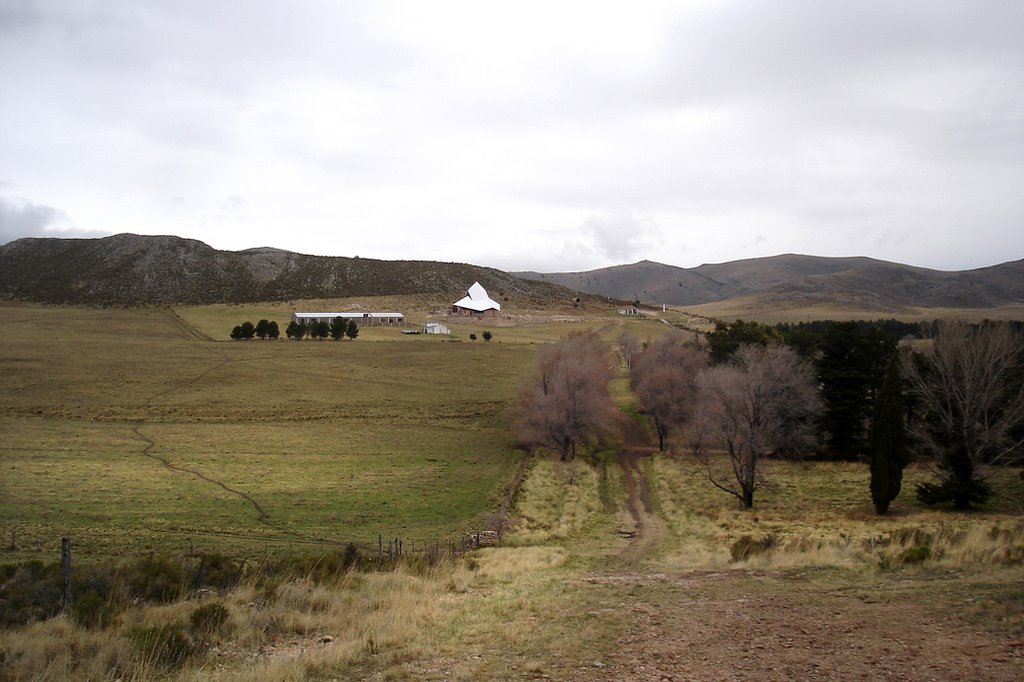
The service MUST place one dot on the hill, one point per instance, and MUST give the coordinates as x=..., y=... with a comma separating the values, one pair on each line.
x=863, y=282
x=128, y=269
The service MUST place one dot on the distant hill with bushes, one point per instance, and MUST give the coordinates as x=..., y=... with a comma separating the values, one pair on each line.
x=129, y=269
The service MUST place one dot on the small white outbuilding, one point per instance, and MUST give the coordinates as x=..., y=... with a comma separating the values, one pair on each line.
x=436, y=328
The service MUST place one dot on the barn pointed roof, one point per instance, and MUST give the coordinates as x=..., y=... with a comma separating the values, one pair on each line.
x=478, y=300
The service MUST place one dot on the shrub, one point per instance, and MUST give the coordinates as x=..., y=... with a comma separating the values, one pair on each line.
x=746, y=547
x=209, y=618
x=217, y=570
x=165, y=646
x=974, y=491
x=350, y=557
x=90, y=609
x=915, y=555
x=156, y=578
x=29, y=591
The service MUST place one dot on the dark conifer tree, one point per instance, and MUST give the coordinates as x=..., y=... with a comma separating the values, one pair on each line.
x=851, y=368
x=888, y=443
x=338, y=327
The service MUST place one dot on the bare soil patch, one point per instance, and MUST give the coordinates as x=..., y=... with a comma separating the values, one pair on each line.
x=741, y=625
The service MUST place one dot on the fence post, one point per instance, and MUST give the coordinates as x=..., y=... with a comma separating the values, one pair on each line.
x=65, y=570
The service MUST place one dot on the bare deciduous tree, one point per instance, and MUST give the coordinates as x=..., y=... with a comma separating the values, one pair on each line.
x=664, y=378
x=764, y=399
x=629, y=346
x=566, y=403
x=970, y=395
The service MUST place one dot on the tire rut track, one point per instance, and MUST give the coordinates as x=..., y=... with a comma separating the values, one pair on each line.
x=261, y=513
x=180, y=322
x=647, y=528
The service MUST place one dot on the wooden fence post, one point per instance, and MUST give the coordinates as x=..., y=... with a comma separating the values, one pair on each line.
x=65, y=570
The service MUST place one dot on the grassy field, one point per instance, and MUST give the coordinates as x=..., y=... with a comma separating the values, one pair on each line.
x=334, y=441
x=144, y=430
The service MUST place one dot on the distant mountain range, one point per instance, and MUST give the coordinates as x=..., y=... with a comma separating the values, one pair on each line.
x=863, y=282
x=128, y=269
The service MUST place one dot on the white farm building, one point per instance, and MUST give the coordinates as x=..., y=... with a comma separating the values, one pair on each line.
x=362, y=319
x=476, y=303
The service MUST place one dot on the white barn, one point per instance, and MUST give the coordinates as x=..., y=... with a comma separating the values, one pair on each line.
x=362, y=319
x=476, y=303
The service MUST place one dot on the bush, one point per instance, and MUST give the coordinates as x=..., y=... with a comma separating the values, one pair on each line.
x=165, y=646
x=350, y=557
x=217, y=570
x=915, y=555
x=30, y=591
x=90, y=609
x=974, y=491
x=209, y=618
x=156, y=578
x=746, y=547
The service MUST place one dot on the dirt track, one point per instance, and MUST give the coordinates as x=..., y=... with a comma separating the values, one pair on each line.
x=745, y=625
x=646, y=531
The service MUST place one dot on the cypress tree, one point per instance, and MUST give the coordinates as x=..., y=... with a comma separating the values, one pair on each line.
x=888, y=444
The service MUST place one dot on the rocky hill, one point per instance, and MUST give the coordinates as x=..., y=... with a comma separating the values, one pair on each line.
x=129, y=269
x=865, y=282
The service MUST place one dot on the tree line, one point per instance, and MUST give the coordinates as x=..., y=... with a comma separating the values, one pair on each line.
x=841, y=390
x=264, y=329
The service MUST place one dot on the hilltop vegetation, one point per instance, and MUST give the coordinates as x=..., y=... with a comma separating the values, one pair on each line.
x=131, y=269
x=799, y=281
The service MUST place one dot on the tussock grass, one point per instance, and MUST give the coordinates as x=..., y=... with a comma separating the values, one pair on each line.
x=557, y=500
x=507, y=562
x=820, y=515
x=292, y=630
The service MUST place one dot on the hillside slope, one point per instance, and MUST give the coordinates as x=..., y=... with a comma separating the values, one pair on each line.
x=129, y=269
x=794, y=278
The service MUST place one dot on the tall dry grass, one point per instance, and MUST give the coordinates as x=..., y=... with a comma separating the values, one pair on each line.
x=820, y=515
x=557, y=500
x=290, y=630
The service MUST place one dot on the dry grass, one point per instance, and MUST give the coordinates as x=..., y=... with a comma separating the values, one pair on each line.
x=556, y=501
x=294, y=630
x=820, y=514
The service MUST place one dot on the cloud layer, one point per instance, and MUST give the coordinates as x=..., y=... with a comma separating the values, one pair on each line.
x=550, y=136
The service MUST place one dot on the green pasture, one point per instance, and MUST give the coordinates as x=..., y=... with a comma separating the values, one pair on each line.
x=335, y=441
x=517, y=324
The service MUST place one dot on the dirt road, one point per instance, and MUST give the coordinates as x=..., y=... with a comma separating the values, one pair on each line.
x=646, y=531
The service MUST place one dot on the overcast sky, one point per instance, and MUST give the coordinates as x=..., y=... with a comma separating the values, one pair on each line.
x=521, y=135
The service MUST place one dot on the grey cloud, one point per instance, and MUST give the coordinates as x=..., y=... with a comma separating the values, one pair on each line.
x=618, y=236
x=20, y=218
x=24, y=219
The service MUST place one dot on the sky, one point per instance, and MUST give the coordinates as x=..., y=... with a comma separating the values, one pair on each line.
x=551, y=136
